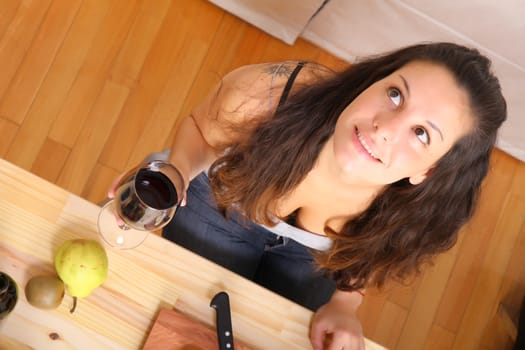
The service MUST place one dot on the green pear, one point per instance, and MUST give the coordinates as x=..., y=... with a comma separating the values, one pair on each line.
x=82, y=264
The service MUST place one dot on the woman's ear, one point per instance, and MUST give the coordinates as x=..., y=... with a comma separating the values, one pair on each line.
x=419, y=178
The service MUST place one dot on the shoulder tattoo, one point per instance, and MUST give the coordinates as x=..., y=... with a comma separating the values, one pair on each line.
x=281, y=70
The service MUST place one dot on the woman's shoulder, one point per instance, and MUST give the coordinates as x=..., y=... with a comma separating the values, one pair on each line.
x=271, y=75
x=256, y=88
x=248, y=94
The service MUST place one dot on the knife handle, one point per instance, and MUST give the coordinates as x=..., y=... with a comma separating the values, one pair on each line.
x=221, y=303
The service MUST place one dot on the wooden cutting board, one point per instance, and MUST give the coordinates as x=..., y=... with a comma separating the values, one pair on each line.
x=174, y=331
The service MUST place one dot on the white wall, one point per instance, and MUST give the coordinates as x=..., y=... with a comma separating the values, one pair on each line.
x=350, y=28
x=284, y=19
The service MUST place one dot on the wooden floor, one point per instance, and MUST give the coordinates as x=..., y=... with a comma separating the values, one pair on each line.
x=89, y=87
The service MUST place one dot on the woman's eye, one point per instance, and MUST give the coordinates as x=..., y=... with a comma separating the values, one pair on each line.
x=395, y=96
x=422, y=135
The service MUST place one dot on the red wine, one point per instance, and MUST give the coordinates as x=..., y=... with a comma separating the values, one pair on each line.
x=146, y=200
x=155, y=189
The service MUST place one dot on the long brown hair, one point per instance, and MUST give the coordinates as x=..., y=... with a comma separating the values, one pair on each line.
x=405, y=225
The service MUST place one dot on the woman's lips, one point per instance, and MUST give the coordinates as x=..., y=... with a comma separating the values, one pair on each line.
x=364, y=147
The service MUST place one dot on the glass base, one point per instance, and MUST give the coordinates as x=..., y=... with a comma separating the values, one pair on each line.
x=115, y=232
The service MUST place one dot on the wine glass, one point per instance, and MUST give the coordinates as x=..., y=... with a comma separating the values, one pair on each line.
x=145, y=200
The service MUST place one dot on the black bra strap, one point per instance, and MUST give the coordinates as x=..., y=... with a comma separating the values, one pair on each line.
x=289, y=84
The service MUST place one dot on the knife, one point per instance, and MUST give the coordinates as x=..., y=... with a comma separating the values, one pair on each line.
x=221, y=303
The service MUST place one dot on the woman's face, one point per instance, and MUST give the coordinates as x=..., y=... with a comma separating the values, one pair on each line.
x=401, y=126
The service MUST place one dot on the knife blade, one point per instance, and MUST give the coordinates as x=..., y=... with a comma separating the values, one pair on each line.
x=221, y=304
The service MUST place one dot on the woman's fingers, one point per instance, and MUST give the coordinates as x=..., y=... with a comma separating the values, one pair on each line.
x=113, y=188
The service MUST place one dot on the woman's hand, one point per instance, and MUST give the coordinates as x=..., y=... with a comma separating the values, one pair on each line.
x=114, y=186
x=335, y=325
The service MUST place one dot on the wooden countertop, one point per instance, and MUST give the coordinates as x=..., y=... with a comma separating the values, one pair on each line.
x=37, y=216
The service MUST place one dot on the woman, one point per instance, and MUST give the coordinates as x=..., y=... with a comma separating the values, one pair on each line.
x=318, y=184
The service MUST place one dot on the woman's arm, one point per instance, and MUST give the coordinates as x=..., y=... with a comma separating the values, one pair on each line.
x=190, y=151
x=243, y=95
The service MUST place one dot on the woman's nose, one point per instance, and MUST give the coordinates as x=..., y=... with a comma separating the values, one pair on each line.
x=387, y=127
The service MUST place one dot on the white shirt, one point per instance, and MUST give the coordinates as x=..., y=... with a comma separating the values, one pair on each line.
x=306, y=238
